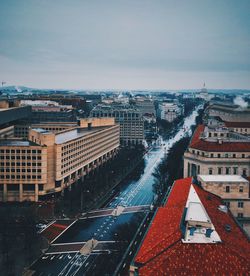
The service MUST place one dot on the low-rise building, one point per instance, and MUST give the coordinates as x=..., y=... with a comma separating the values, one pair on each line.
x=169, y=111
x=193, y=234
x=48, y=162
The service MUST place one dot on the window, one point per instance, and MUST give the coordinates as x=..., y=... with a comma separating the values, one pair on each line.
x=240, y=215
x=241, y=189
x=227, y=170
x=243, y=155
x=212, y=155
x=244, y=172
x=210, y=171
x=234, y=155
x=240, y=204
x=218, y=155
x=227, y=189
x=219, y=170
x=235, y=170
x=226, y=155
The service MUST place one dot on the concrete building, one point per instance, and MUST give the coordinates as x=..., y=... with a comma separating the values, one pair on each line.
x=49, y=111
x=192, y=234
x=145, y=106
x=49, y=162
x=8, y=116
x=233, y=189
x=169, y=111
x=228, y=112
x=214, y=149
x=130, y=120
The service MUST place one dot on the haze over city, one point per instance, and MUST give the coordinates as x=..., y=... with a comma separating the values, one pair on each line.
x=125, y=44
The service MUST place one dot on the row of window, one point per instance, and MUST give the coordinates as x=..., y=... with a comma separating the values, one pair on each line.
x=220, y=155
x=18, y=164
x=23, y=170
x=227, y=170
x=18, y=157
x=86, y=141
x=23, y=176
x=81, y=161
x=16, y=151
x=228, y=189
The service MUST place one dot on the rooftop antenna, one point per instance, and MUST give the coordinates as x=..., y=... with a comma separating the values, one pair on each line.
x=204, y=85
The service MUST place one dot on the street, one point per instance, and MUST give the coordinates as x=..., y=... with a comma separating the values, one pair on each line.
x=114, y=231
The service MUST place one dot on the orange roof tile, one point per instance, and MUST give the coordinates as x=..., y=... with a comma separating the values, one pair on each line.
x=163, y=253
x=198, y=143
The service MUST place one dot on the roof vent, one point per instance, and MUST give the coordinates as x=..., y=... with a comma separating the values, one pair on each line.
x=228, y=228
x=223, y=208
x=220, y=141
x=209, y=197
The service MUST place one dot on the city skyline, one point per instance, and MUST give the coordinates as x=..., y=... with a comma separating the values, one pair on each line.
x=125, y=45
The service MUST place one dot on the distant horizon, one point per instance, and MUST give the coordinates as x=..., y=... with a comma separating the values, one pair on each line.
x=125, y=45
x=126, y=89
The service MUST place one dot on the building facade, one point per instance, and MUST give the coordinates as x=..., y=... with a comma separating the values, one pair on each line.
x=233, y=189
x=228, y=112
x=130, y=121
x=214, y=149
x=169, y=111
x=50, y=162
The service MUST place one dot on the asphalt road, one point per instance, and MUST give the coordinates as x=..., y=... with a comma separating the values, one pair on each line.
x=110, y=228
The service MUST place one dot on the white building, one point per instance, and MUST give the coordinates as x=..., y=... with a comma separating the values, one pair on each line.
x=169, y=111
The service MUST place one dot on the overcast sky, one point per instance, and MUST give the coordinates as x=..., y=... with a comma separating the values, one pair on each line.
x=156, y=44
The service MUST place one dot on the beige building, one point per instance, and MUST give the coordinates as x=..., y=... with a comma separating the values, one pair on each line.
x=233, y=189
x=228, y=112
x=49, y=162
x=215, y=149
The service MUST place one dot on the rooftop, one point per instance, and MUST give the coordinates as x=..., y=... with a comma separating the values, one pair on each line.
x=163, y=251
x=19, y=143
x=238, y=124
x=198, y=143
x=41, y=130
x=222, y=178
x=69, y=135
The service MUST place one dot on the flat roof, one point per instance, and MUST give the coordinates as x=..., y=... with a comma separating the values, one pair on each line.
x=222, y=178
x=42, y=130
x=17, y=143
x=73, y=134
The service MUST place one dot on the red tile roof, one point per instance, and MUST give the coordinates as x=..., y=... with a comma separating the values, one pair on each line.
x=163, y=253
x=200, y=144
x=238, y=124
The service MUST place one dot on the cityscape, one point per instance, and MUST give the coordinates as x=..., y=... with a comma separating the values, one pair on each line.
x=143, y=169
